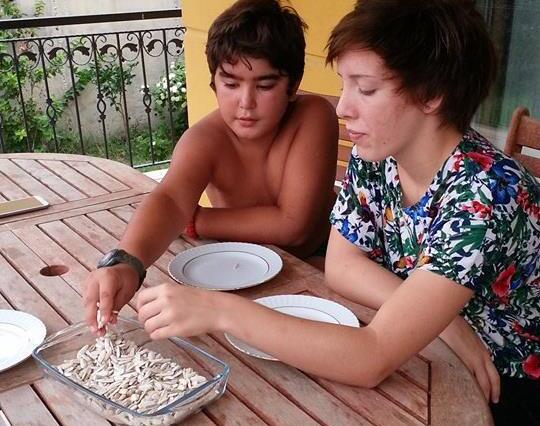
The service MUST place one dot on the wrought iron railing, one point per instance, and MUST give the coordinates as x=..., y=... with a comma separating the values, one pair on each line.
x=116, y=94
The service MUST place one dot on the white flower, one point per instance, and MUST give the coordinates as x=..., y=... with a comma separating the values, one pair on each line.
x=172, y=75
x=175, y=98
x=183, y=90
x=162, y=96
x=172, y=65
x=174, y=89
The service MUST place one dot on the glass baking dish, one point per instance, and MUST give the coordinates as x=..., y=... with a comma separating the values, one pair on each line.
x=65, y=344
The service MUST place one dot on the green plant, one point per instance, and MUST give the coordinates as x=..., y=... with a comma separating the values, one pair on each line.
x=37, y=130
x=40, y=130
x=177, y=102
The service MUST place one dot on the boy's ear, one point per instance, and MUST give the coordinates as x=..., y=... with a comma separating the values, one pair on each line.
x=292, y=93
x=432, y=106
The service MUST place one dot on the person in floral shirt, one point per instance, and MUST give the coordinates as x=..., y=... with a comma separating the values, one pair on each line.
x=434, y=226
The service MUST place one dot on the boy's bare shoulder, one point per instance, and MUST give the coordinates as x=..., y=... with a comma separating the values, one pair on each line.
x=311, y=101
x=313, y=107
x=208, y=131
x=314, y=113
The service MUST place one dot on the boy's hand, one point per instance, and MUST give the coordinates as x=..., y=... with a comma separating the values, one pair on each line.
x=468, y=346
x=112, y=287
x=175, y=310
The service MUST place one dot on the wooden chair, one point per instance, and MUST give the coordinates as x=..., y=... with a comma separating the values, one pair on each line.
x=524, y=131
x=344, y=144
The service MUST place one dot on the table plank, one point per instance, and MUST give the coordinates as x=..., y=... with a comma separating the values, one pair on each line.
x=97, y=175
x=54, y=254
x=407, y=395
x=73, y=208
x=374, y=406
x=229, y=411
x=256, y=393
x=23, y=407
x=198, y=419
x=10, y=190
x=116, y=227
x=27, y=182
x=22, y=296
x=87, y=243
x=312, y=398
x=78, y=180
x=4, y=304
x=456, y=398
x=56, y=292
x=126, y=212
x=65, y=409
x=125, y=174
x=49, y=179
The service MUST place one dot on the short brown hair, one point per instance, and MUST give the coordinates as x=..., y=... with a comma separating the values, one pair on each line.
x=260, y=29
x=436, y=48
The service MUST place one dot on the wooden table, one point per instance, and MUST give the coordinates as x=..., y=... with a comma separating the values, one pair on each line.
x=92, y=200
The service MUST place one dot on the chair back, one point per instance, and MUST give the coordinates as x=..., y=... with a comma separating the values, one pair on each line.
x=524, y=131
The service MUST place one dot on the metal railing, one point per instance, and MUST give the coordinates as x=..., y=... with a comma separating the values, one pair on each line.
x=116, y=94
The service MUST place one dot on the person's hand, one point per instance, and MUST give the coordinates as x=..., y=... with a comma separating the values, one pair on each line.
x=175, y=310
x=112, y=287
x=470, y=348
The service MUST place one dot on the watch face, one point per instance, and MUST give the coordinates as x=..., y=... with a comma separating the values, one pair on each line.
x=107, y=258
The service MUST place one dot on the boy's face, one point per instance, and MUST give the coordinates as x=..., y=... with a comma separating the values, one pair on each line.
x=381, y=121
x=252, y=97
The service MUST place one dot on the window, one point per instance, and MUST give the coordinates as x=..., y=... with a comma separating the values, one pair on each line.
x=514, y=26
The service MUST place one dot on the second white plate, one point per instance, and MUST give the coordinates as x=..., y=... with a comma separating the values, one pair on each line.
x=225, y=266
x=20, y=333
x=307, y=307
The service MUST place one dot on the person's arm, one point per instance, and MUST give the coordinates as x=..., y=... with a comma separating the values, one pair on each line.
x=413, y=316
x=349, y=272
x=157, y=221
x=352, y=274
x=162, y=215
x=308, y=178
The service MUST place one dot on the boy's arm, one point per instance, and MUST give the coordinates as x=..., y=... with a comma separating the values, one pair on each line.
x=157, y=221
x=308, y=178
x=164, y=212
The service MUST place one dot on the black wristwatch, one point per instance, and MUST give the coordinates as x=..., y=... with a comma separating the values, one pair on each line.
x=116, y=256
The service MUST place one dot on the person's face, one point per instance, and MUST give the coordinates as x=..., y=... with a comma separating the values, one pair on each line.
x=381, y=122
x=252, y=97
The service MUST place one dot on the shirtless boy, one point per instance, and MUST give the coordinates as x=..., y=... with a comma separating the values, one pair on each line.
x=266, y=157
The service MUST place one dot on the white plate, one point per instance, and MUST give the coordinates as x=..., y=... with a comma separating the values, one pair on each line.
x=307, y=307
x=225, y=266
x=20, y=333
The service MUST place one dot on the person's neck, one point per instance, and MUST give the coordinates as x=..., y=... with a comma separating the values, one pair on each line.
x=423, y=158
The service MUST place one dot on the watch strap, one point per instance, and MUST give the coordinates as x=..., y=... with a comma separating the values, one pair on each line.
x=116, y=256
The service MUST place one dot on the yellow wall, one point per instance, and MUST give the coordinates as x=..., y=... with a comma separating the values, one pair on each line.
x=320, y=15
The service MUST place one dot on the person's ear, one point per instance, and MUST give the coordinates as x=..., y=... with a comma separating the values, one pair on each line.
x=432, y=106
x=292, y=92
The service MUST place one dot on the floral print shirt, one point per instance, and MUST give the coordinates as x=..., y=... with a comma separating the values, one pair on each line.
x=478, y=224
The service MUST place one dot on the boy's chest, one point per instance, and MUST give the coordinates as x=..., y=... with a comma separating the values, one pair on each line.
x=249, y=180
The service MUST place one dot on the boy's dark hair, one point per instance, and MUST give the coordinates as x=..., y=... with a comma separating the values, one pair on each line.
x=260, y=29
x=436, y=48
